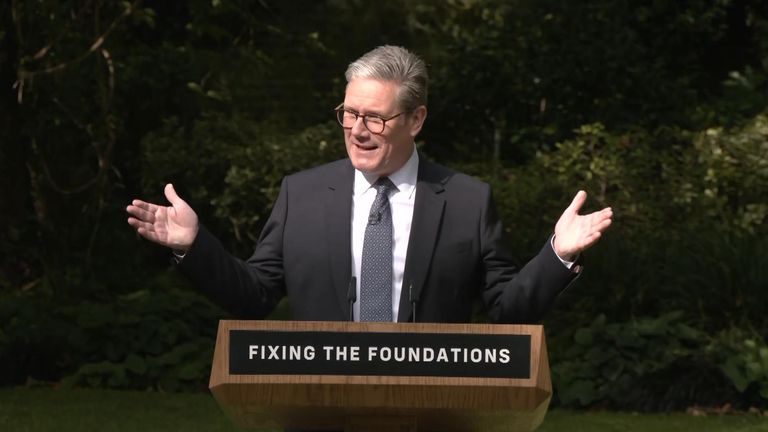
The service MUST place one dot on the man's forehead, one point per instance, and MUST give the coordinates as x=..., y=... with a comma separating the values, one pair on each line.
x=371, y=94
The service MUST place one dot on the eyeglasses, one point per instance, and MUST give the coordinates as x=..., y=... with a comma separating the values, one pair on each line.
x=375, y=124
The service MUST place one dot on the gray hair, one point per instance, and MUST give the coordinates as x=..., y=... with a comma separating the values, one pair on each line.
x=396, y=64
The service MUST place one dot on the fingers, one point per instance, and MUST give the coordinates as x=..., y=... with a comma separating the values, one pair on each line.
x=144, y=212
x=150, y=220
x=604, y=214
x=140, y=224
x=602, y=225
x=599, y=221
x=577, y=202
x=606, y=217
x=144, y=205
x=599, y=216
x=173, y=197
x=590, y=240
x=144, y=229
x=580, y=232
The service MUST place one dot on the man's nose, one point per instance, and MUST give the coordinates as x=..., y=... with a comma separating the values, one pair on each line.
x=359, y=127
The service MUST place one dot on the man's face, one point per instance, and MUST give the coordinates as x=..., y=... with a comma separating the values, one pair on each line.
x=379, y=154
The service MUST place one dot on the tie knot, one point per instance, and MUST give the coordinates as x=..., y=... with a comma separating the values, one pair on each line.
x=384, y=185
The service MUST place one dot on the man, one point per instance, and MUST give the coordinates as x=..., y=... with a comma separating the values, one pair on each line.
x=383, y=235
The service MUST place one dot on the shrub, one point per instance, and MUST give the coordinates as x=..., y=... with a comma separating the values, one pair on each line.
x=658, y=363
x=158, y=337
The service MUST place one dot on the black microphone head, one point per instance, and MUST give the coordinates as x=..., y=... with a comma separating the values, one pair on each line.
x=352, y=290
x=352, y=297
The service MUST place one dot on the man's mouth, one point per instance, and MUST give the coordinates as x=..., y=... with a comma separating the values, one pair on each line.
x=366, y=147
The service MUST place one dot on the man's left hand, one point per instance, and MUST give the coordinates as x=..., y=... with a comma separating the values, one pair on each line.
x=575, y=233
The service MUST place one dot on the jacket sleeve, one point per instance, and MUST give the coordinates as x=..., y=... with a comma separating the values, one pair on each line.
x=523, y=296
x=248, y=289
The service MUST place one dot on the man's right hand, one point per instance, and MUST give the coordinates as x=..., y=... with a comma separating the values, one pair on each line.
x=175, y=226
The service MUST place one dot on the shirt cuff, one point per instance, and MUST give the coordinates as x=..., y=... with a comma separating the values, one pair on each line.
x=567, y=264
x=179, y=255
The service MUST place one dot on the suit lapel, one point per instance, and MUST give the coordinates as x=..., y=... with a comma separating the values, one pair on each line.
x=427, y=217
x=338, y=207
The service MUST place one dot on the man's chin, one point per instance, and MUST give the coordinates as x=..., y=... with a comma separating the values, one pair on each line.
x=366, y=167
x=367, y=170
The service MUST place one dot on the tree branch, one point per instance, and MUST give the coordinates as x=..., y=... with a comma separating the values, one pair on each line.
x=97, y=43
x=42, y=52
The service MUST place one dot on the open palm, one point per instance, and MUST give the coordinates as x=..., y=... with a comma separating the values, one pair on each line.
x=174, y=226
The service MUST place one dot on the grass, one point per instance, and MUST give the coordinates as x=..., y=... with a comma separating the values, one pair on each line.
x=37, y=410
x=560, y=420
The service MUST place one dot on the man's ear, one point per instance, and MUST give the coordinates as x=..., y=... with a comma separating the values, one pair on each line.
x=417, y=118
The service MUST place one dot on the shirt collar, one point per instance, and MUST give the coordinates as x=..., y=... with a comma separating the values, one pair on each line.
x=404, y=178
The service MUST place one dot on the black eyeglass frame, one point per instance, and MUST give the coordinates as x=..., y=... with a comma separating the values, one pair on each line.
x=340, y=118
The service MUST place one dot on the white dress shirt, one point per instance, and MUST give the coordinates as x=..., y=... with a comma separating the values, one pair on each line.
x=401, y=202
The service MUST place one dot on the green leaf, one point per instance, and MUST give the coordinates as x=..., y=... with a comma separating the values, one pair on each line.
x=732, y=371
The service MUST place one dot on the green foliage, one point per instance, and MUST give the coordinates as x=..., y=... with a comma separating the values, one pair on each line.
x=232, y=166
x=539, y=70
x=658, y=363
x=733, y=165
x=743, y=358
x=688, y=235
x=185, y=367
x=624, y=365
x=158, y=337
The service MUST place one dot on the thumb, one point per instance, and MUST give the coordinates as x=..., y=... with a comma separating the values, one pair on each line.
x=577, y=202
x=172, y=196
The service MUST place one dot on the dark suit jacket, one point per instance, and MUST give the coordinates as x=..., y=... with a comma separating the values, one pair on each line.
x=454, y=255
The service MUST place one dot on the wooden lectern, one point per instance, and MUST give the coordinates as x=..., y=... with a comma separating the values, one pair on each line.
x=381, y=376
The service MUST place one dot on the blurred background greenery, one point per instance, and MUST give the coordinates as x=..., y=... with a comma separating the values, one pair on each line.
x=658, y=109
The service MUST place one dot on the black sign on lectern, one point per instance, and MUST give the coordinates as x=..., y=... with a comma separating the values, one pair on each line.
x=269, y=352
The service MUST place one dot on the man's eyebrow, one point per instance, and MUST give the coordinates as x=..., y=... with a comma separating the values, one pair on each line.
x=369, y=113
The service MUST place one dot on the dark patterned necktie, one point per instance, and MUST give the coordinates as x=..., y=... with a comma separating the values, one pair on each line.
x=376, y=265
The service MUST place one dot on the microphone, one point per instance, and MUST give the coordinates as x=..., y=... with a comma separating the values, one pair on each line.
x=352, y=297
x=414, y=300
